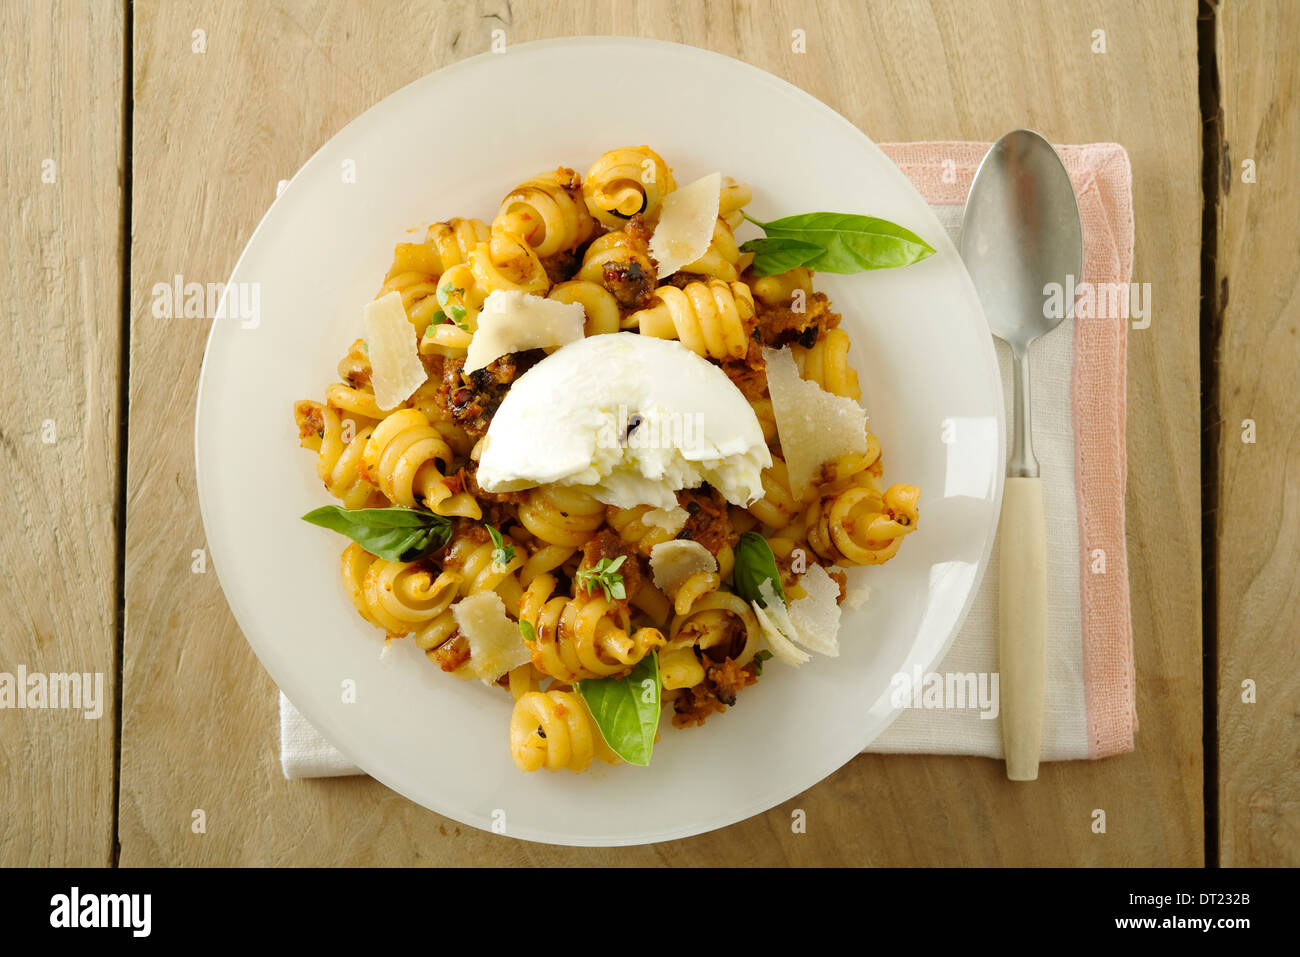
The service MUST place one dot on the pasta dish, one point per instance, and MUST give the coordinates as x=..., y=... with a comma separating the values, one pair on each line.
x=603, y=456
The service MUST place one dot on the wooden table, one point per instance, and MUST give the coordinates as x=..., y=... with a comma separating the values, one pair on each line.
x=107, y=189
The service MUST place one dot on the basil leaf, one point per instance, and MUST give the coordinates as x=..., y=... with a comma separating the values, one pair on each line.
x=851, y=243
x=393, y=534
x=774, y=255
x=626, y=710
x=755, y=563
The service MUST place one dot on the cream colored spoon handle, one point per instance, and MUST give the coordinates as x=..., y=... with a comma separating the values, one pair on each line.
x=1022, y=624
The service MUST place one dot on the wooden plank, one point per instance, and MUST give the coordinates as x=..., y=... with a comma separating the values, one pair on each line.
x=1259, y=480
x=61, y=202
x=215, y=131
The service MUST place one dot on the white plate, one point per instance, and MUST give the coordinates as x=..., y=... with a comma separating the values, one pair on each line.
x=452, y=144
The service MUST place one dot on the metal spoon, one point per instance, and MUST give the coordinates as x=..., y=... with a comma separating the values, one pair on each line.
x=1020, y=233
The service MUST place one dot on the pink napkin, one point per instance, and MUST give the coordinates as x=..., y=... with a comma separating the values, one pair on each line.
x=1102, y=179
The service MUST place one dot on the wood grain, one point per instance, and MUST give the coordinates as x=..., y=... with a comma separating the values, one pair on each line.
x=215, y=131
x=1259, y=482
x=61, y=203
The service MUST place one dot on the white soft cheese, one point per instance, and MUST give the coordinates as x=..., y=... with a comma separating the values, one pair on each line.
x=513, y=321
x=629, y=418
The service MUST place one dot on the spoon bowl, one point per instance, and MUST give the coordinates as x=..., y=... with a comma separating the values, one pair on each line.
x=1021, y=231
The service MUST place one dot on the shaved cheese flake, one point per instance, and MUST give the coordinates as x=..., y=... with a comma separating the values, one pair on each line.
x=815, y=426
x=816, y=617
x=858, y=595
x=782, y=649
x=674, y=562
x=495, y=644
x=513, y=321
x=395, y=367
x=671, y=520
x=685, y=226
x=776, y=609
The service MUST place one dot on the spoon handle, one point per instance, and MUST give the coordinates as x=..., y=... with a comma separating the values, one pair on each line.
x=1022, y=631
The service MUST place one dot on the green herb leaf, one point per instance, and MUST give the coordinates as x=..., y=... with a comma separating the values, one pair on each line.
x=530, y=635
x=774, y=255
x=849, y=242
x=444, y=295
x=755, y=564
x=437, y=319
x=759, y=658
x=502, y=554
x=605, y=576
x=393, y=534
x=626, y=710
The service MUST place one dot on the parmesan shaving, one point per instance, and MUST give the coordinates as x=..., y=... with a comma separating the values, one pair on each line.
x=671, y=520
x=816, y=617
x=782, y=649
x=513, y=321
x=685, y=226
x=815, y=426
x=495, y=644
x=857, y=596
x=674, y=562
x=395, y=367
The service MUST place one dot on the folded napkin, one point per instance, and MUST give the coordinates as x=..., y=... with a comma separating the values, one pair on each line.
x=1078, y=399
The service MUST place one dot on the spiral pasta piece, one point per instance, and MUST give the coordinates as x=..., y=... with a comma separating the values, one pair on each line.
x=399, y=597
x=559, y=515
x=408, y=459
x=620, y=264
x=766, y=416
x=354, y=401
x=554, y=730
x=731, y=199
x=780, y=289
x=544, y=559
x=711, y=319
x=339, y=446
x=417, y=266
x=599, y=304
x=680, y=668
x=473, y=561
x=712, y=621
x=624, y=182
x=548, y=213
x=507, y=262
x=859, y=526
x=581, y=638
x=778, y=505
x=827, y=364
x=632, y=528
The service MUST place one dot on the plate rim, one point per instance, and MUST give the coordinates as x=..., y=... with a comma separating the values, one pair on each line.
x=989, y=362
